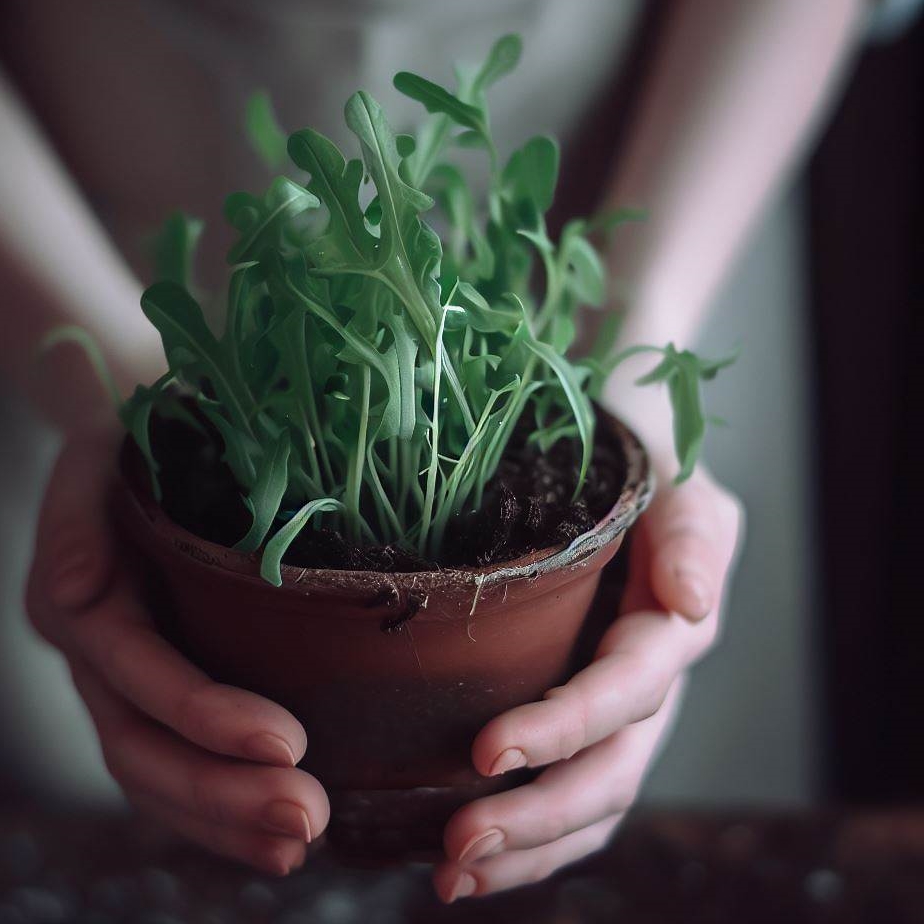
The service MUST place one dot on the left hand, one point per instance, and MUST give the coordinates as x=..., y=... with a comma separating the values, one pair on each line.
x=601, y=730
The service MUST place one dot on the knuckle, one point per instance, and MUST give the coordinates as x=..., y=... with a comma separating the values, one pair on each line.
x=546, y=819
x=646, y=674
x=193, y=713
x=572, y=720
x=554, y=825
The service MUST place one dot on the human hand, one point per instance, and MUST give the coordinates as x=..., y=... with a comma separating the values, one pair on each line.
x=600, y=731
x=213, y=763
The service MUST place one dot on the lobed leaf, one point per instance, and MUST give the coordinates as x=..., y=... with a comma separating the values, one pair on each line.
x=266, y=495
x=261, y=221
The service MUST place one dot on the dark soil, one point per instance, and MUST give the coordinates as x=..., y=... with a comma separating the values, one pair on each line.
x=527, y=505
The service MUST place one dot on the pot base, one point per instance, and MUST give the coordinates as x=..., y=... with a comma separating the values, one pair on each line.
x=381, y=827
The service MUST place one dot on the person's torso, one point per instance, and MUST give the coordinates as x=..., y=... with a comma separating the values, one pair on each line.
x=144, y=98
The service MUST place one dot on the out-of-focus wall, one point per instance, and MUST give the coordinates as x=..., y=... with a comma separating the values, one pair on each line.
x=747, y=731
x=749, y=727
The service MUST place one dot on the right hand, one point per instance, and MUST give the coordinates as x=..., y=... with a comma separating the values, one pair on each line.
x=214, y=763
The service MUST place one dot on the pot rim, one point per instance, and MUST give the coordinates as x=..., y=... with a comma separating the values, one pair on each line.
x=636, y=494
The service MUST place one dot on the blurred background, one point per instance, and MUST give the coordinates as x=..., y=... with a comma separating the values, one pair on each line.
x=814, y=693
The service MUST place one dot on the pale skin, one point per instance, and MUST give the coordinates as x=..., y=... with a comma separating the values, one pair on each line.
x=717, y=135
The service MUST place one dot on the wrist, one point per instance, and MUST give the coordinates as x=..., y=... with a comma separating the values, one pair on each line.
x=646, y=410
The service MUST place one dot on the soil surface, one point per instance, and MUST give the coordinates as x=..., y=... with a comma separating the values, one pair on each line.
x=527, y=505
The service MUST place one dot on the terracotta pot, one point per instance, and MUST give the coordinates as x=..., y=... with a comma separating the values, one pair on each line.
x=392, y=675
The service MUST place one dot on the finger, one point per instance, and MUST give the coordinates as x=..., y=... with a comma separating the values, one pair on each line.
x=73, y=557
x=638, y=660
x=600, y=782
x=146, y=759
x=114, y=636
x=518, y=867
x=275, y=855
x=692, y=530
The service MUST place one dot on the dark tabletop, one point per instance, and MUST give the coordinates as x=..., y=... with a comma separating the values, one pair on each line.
x=663, y=867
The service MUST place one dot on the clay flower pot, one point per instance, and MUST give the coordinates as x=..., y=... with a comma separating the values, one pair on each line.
x=392, y=675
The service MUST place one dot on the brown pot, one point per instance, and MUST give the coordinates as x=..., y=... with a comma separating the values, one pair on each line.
x=392, y=675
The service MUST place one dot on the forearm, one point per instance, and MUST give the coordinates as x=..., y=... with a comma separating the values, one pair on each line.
x=58, y=266
x=735, y=95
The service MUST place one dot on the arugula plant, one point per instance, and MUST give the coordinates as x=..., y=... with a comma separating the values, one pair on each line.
x=371, y=373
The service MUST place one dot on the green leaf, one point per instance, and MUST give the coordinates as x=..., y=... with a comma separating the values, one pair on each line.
x=73, y=333
x=479, y=315
x=261, y=221
x=335, y=181
x=709, y=368
x=607, y=334
x=437, y=99
x=135, y=415
x=586, y=277
x=469, y=248
x=266, y=495
x=569, y=379
x=661, y=373
x=175, y=246
x=531, y=174
x=400, y=359
x=415, y=250
x=502, y=59
x=689, y=420
x=683, y=372
x=191, y=347
x=470, y=139
x=278, y=545
x=239, y=447
x=613, y=218
x=266, y=137
x=406, y=145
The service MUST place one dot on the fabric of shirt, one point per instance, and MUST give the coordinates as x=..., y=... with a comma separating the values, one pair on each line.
x=145, y=98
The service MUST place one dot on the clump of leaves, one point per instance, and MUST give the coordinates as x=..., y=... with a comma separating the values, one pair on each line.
x=371, y=372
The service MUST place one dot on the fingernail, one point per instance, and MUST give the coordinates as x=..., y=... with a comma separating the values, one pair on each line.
x=68, y=581
x=287, y=818
x=697, y=601
x=463, y=887
x=482, y=845
x=510, y=759
x=269, y=749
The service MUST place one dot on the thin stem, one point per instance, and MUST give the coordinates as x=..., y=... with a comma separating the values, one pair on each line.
x=388, y=519
x=357, y=459
x=434, y=440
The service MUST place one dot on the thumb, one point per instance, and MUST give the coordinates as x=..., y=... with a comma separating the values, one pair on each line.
x=73, y=548
x=692, y=531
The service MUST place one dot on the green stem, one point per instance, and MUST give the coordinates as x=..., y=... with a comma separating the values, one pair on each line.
x=357, y=460
x=434, y=443
x=388, y=519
